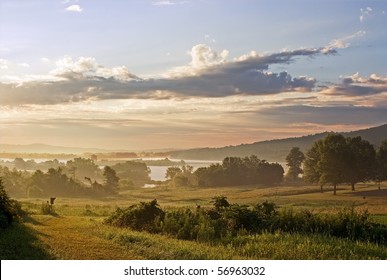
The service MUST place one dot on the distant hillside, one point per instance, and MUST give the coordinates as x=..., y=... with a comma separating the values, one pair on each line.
x=46, y=149
x=276, y=150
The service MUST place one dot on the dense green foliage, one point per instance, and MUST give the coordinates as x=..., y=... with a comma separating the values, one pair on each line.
x=79, y=168
x=294, y=161
x=54, y=183
x=276, y=150
x=226, y=220
x=6, y=211
x=338, y=160
x=111, y=179
x=10, y=210
x=142, y=216
x=381, y=163
x=78, y=177
x=240, y=171
x=137, y=173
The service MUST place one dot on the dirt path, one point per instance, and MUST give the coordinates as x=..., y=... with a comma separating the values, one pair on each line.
x=76, y=238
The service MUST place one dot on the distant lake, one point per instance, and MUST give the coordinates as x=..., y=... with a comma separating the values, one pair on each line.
x=158, y=172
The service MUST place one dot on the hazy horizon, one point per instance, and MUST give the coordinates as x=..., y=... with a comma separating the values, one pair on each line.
x=150, y=75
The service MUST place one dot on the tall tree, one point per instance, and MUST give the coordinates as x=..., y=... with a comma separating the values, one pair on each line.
x=294, y=161
x=329, y=158
x=381, y=163
x=361, y=161
x=172, y=171
x=111, y=179
x=312, y=172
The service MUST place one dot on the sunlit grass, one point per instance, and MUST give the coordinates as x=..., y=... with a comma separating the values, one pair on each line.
x=76, y=230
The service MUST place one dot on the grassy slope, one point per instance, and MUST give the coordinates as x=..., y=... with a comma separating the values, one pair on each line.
x=78, y=233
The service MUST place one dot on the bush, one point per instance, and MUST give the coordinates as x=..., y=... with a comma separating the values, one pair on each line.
x=143, y=216
x=7, y=211
x=227, y=220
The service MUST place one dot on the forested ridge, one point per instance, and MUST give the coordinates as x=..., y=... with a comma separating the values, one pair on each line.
x=276, y=150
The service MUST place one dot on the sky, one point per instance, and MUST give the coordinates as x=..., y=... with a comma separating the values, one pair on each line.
x=158, y=74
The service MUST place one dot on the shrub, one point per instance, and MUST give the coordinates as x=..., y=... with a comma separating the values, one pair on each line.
x=142, y=216
x=220, y=202
x=7, y=211
x=226, y=220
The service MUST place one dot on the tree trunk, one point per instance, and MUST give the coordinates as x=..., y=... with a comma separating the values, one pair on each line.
x=321, y=188
x=334, y=189
x=353, y=186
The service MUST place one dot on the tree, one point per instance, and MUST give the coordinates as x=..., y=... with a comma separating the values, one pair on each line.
x=311, y=170
x=327, y=161
x=111, y=179
x=80, y=168
x=381, y=163
x=294, y=161
x=134, y=171
x=172, y=172
x=234, y=171
x=361, y=161
x=240, y=171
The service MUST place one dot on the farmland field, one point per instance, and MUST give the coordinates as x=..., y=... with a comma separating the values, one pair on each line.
x=76, y=230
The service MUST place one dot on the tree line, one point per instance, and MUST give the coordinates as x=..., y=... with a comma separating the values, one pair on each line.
x=77, y=177
x=232, y=171
x=333, y=160
x=336, y=160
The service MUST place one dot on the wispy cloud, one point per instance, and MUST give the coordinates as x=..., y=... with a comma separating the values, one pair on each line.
x=356, y=85
x=365, y=13
x=74, y=8
x=343, y=43
x=168, y=3
x=25, y=65
x=45, y=60
x=209, y=38
x=3, y=63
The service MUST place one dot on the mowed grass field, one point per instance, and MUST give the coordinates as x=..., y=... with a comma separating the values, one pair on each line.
x=77, y=231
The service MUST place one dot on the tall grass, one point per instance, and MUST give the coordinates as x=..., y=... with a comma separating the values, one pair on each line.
x=275, y=246
x=226, y=221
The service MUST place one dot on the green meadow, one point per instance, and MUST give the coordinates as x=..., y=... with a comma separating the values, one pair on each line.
x=76, y=229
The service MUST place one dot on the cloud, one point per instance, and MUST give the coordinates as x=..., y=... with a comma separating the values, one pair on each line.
x=74, y=8
x=3, y=63
x=168, y=3
x=209, y=74
x=343, y=43
x=209, y=38
x=25, y=65
x=325, y=115
x=202, y=57
x=87, y=68
x=45, y=60
x=356, y=85
x=365, y=13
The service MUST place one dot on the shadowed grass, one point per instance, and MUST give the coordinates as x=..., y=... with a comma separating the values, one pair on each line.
x=21, y=242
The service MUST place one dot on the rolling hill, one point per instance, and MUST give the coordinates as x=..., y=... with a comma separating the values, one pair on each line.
x=276, y=150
